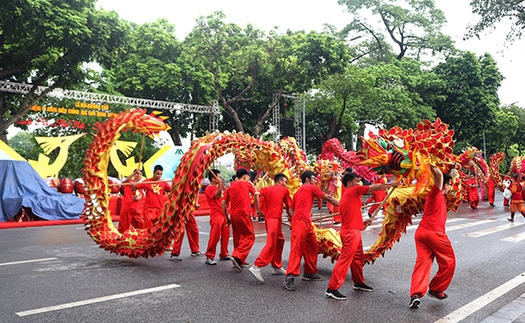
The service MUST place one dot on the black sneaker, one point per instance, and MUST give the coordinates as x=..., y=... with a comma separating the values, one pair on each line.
x=363, y=287
x=236, y=263
x=335, y=294
x=440, y=296
x=289, y=284
x=312, y=277
x=414, y=302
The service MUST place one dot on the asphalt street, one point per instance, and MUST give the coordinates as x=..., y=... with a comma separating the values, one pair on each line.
x=58, y=274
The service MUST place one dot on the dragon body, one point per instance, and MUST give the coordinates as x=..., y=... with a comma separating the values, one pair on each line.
x=408, y=154
x=183, y=193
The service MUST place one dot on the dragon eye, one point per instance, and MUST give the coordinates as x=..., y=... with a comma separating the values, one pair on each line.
x=398, y=142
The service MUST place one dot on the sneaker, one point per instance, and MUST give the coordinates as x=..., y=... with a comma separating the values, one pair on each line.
x=289, y=284
x=312, y=277
x=175, y=258
x=210, y=262
x=236, y=263
x=256, y=271
x=510, y=219
x=226, y=258
x=335, y=294
x=279, y=271
x=437, y=295
x=246, y=264
x=414, y=302
x=196, y=254
x=363, y=287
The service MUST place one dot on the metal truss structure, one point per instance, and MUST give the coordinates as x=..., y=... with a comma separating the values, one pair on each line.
x=213, y=110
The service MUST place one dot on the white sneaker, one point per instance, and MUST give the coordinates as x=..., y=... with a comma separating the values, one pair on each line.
x=210, y=262
x=279, y=271
x=257, y=273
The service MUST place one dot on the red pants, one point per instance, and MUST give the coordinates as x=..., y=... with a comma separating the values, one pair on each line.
x=192, y=231
x=351, y=257
x=473, y=197
x=303, y=245
x=243, y=236
x=130, y=216
x=218, y=231
x=151, y=214
x=517, y=205
x=373, y=208
x=430, y=245
x=273, y=249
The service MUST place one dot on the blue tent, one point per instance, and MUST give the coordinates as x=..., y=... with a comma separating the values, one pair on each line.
x=21, y=186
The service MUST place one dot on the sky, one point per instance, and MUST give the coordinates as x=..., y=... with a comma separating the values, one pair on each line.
x=309, y=15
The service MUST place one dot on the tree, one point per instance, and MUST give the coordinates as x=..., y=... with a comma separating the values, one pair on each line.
x=492, y=12
x=252, y=71
x=25, y=144
x=151, y=69
x=500, y=135
x=46, y=43
x=471, y=95
x=333, y=109
x=413, y=27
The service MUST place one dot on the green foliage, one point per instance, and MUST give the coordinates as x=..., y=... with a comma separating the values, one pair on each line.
x=471, y=95
x=251, y=71
x=46, y=43
x=492, y=12
x=25, y=144
x=413, y=27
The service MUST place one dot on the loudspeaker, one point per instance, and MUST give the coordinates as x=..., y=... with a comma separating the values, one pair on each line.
x=287, y=127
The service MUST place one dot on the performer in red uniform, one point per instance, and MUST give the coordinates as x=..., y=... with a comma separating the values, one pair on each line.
x=303, y=241
x=491, y=191
x=516, y=200
x=377, y=196
x=432, y=242
x=154, y=196
x=218, y=229
x=192, y=232
x=473, y=194
x=131, y=210
x=352, y=224
x=238, y=195
x=274, y=197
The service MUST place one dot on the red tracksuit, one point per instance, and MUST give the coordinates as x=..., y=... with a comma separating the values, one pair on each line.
x=192, y=231
x=491, y=191
x=154, y=200
x=238, y=196
x=377, y=196
x=351, y=226
x=274, y=197
x=218, y=228
x=303, y=241
x=432, y=242
x=473, y=194
x=131, y=210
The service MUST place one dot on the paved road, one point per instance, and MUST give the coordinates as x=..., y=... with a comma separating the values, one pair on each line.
x=58, y=274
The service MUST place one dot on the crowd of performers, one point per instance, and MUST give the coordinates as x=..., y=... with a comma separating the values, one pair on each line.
x=513, y=193
x=234, y=206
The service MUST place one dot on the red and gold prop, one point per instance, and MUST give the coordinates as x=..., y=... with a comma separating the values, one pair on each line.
x=408, y=154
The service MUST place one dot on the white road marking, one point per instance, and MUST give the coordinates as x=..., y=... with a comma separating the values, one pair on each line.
x=515, y=238
x=467, y=225
x=26, y=261
x=482, y=301
x=95, y=300
x=413, y=227
x=493, y=230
